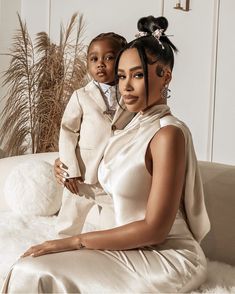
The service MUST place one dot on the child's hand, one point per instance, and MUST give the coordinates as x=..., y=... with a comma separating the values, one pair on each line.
x=72, y=185
x=60, y=171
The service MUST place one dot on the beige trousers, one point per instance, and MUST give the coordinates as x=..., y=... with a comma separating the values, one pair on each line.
x=92, y=205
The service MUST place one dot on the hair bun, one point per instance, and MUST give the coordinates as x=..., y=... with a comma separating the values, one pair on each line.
x=150, y=23
x=162, y=22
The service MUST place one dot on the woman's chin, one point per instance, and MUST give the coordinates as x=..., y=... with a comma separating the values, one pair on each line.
x=132, y=108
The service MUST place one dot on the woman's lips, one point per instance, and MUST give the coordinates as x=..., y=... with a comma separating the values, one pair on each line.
x=129, y=99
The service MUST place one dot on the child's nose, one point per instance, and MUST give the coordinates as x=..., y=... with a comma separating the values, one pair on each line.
x=101, y=64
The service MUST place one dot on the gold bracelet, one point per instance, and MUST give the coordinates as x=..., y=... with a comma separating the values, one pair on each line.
x=80, y=245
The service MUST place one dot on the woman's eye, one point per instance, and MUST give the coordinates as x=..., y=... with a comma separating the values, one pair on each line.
x=139, y=75
x=121, y=77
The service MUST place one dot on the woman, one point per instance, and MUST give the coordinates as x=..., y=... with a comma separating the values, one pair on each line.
x=150, y=169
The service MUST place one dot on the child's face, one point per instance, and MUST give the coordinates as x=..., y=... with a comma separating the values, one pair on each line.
x=101, y=61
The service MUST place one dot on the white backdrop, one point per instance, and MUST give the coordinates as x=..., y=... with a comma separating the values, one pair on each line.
x=202, y=85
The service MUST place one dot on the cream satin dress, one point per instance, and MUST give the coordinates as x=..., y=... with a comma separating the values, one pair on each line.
x=176, y=265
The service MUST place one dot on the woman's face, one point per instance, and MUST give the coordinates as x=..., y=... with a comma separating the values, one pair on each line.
x=132, y=85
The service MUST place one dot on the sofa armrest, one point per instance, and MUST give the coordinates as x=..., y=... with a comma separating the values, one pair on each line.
x=219, y=189
x=7, y=165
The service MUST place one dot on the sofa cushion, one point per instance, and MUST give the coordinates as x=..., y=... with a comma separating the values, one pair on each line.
x=31, y=189
x=9, y=163
x=219, y=188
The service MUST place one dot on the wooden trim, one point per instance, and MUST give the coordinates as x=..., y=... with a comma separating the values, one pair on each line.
x=211, y=114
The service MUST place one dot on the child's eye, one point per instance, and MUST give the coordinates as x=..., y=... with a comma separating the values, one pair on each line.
x=139, y=75
x=93, y=59
x=109, y=57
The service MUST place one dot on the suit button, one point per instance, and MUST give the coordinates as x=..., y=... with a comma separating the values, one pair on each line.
x=114, y=128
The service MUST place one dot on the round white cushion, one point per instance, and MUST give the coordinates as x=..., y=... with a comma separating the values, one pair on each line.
x=31, y=189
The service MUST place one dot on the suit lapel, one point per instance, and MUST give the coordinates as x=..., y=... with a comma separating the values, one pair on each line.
x=121, y=117
x=96, y=95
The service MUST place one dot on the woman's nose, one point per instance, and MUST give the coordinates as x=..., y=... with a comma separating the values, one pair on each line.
x=128, y=86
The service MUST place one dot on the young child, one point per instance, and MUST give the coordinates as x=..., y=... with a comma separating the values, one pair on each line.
x=86, y=126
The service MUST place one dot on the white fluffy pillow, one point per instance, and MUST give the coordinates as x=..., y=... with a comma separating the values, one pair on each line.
x=31, y=189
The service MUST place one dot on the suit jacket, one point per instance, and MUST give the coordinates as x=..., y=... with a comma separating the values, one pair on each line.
x=85, y=131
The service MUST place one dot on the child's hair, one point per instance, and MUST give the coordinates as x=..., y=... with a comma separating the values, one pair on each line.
x=118, y=41
x=151, y=48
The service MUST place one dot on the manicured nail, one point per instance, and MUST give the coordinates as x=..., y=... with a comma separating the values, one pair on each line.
x=61, y=165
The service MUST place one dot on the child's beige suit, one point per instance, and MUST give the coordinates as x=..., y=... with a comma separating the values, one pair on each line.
x=85, y=131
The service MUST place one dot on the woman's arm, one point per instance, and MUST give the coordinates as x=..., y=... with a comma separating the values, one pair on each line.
x=166, y=159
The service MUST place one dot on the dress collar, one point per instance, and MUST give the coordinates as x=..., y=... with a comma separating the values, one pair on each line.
x=150, y=115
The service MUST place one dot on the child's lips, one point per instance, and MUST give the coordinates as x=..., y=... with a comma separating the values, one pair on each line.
x=101, y=73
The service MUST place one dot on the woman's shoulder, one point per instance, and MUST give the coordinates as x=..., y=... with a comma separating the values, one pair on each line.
x=169, y=134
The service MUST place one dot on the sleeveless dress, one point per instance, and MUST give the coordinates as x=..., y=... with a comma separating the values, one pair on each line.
x=176, y=265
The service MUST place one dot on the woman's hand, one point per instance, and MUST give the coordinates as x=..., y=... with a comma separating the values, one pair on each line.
x=60, y=171
x=53, y=246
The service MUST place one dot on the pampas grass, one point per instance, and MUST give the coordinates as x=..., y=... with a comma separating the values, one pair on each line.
x=40, y=79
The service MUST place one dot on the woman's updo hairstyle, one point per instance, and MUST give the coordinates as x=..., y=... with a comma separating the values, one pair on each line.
x=161, y=49
x=152, y=45
x=150, y=24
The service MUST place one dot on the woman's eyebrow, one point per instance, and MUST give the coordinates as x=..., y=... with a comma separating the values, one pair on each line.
x=132, y=68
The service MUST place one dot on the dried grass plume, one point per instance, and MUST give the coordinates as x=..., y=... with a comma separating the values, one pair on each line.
x=40, y=79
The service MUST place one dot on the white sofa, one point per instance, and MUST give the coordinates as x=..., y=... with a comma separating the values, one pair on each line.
x=218, y=245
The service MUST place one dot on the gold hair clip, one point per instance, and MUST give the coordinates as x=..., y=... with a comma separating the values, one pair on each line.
x=141, y=34
x=156, y=34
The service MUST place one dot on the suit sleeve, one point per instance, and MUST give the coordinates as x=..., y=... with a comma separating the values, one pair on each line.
x=69, y=135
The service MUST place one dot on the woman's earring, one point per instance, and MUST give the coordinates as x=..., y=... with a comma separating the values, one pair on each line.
x=165, y=92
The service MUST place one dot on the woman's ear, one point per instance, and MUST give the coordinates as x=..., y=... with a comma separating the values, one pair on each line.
x=167, y=75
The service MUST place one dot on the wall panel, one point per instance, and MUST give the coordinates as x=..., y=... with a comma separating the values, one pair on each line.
x=224, y=139
x=192, y=96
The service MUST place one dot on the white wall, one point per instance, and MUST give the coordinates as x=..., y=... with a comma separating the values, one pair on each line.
x=202, y=85
x=36, y=13
x=192, y=76
x=103, y=15
x=8, y=24
x=224, y=123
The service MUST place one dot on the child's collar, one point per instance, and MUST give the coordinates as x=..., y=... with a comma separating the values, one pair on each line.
x=103, y=86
